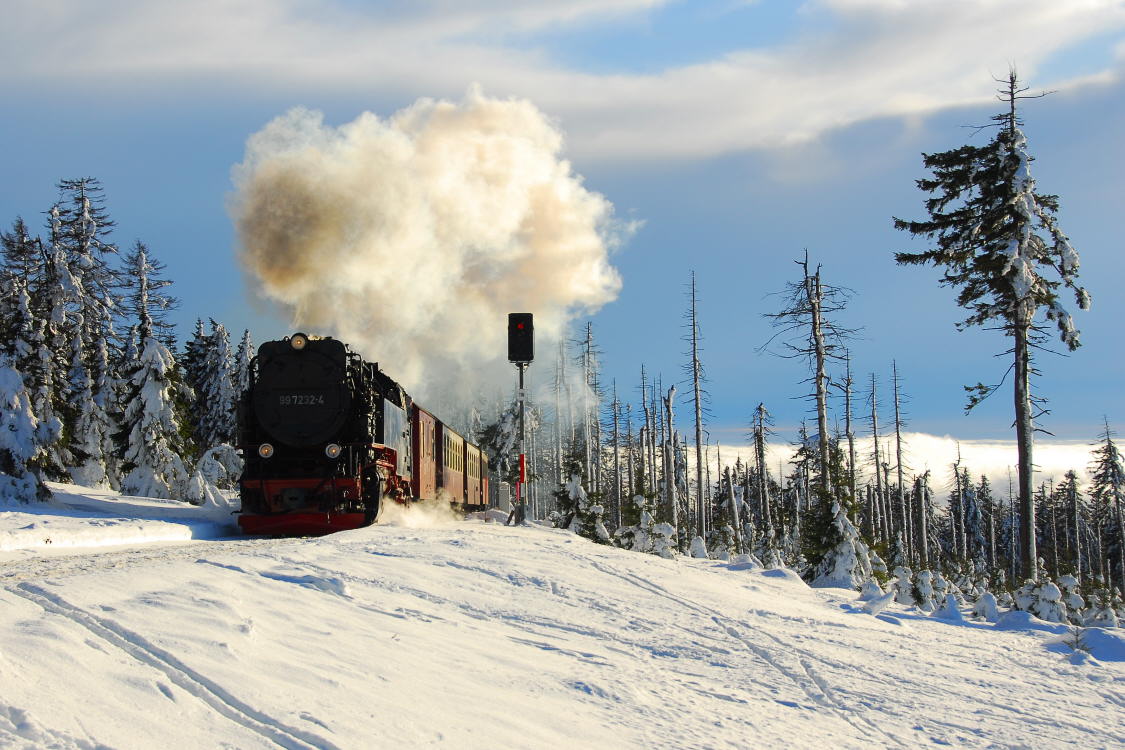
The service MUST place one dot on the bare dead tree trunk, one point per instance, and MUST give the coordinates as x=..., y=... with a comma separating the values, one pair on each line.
x=957, y=511
x=848, y=425
x=1072, y=492
x=587, y=433
x=630, y=477
x=696, y=377
x=616, y=456
x=879, y=495
x=760, y=416
x=560, y=378
x=669, y=465
x=814, y=295
x=898, y=460
x=922, y=490
x=735, y=521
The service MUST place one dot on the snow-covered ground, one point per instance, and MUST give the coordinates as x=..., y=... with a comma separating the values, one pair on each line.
x=469, y=634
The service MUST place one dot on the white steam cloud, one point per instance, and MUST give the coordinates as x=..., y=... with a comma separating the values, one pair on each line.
x=411, y=238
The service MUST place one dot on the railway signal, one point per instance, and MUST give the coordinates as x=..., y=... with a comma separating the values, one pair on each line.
x=521, y=351
x=521, y=338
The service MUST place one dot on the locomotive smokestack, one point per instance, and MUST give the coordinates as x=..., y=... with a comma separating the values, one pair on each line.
x=412, y=237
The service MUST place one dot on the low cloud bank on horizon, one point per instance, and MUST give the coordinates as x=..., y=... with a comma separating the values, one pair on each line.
x=937, y=453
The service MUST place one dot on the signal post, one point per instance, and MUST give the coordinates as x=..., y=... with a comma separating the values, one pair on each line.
x=521, y=352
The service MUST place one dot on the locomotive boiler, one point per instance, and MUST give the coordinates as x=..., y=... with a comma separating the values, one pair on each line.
x=328, y=438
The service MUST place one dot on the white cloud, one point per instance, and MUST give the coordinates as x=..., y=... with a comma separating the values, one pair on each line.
x=868, y=58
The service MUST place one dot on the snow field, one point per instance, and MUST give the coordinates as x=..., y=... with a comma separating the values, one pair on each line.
x=476, y=635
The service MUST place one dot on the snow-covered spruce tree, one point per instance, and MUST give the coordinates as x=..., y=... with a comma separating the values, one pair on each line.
x=20, y=436
x=18, y=480
x=924, y=591
x=150, y=441
x=1107, y=491
x=498, y=439
x=80, y=233
x=848, y=564
x=192, y=364
x=996, y=238
x=830, y=542
x=50, y=289
x=240, y=368
x=580, y=512
x=637, y=535
x=976, y=543
x=216, y=400
x=218, y=469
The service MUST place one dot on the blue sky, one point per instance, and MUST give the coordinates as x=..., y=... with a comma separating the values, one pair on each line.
x=737, y=133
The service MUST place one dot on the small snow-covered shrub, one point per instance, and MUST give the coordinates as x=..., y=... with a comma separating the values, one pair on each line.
x=1048, y=604
x=903, y=586
x=924, y=591
x=664, y=540
x=986, y=608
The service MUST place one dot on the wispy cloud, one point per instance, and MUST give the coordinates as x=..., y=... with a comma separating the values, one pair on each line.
x=850, y=60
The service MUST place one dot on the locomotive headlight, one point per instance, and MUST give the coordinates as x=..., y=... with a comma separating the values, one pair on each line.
x=332, y=450
x=298, y=341
x=265, y=450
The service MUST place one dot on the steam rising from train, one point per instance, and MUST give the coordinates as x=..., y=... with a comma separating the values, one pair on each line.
x=411, y=238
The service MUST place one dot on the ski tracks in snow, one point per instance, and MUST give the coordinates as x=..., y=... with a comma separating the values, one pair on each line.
x=189, y=680
x=804, y=676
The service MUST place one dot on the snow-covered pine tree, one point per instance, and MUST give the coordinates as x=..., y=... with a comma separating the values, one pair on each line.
x=996, y=238
x=150, y=441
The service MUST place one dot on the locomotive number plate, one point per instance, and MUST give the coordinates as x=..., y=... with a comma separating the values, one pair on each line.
x=301, y=399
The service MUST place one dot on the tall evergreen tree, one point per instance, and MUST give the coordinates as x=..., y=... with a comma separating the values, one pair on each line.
x=21, y=439
x=243, y=356
x=1107, y=490
x=150, y=439
x=217, y=399
x=996, y=239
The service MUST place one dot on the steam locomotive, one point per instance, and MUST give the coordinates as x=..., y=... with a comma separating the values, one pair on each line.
x=327, y=439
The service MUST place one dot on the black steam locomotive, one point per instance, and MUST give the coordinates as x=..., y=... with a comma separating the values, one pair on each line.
x=328, y=438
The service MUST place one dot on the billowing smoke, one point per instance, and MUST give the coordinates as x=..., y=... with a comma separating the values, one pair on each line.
x=411, y=238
